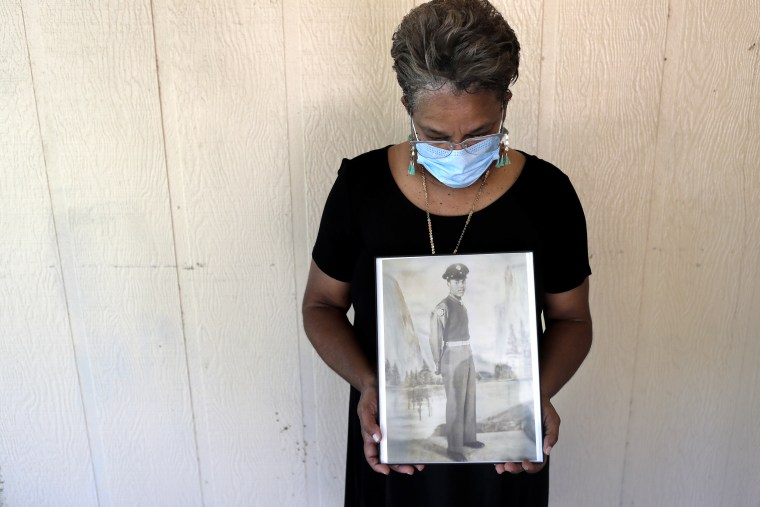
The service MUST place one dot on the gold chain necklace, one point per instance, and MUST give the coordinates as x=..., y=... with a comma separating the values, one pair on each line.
x=469, y=216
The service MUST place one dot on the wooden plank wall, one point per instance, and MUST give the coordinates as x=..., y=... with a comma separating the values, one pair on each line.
x=43, y=430
x=163, y=168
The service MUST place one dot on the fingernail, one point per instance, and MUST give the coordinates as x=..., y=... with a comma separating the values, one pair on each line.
x=549, y=450
x=376, y=438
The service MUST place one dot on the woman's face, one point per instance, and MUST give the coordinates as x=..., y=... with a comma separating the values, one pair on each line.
x=445, y=116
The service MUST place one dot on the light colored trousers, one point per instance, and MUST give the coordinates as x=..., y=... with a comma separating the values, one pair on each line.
x=458, y=371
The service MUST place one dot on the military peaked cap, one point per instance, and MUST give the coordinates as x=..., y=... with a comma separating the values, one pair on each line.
x=456, y=272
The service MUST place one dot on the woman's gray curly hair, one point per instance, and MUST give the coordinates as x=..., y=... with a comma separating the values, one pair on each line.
x=461, y=45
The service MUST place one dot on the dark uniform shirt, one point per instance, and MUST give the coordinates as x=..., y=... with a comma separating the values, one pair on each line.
x=453, y=321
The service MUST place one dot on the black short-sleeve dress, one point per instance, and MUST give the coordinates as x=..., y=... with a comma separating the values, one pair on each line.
x=366, y=216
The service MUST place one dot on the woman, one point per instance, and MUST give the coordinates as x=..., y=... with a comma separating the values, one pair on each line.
x=444, y=192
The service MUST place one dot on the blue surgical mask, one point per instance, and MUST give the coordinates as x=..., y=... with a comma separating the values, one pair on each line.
x=461, y=168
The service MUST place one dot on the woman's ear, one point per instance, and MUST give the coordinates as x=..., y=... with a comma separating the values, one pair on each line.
x=507, y=97
x=405, y=103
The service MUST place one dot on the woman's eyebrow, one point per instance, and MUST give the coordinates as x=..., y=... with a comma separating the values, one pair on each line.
x=430, y=130
x=435, y=132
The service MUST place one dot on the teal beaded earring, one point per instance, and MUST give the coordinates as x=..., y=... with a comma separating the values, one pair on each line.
x=412, y=156
x=503, y=149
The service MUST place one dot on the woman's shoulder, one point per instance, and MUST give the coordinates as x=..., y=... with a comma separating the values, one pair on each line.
x=542, y=177
x=367, y=164
x=538, y=168
x=364, y=176
x=545, y=191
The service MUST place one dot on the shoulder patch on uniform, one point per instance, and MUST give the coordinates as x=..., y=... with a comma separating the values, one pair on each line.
x=440, y=311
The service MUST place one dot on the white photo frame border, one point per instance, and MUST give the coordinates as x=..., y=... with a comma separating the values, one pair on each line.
x=432, y=268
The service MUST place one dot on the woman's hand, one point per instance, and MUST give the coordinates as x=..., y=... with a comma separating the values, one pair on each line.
x=367, y=410
x=550, y=420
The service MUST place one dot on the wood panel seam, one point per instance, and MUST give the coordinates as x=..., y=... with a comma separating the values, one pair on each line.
x=93, y=468
x=746, y=354
x=546, y=79
x=646, y=256
x=177, y=263
x=298, y=219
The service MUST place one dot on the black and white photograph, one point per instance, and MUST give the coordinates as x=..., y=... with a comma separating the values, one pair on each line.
x=457, y=359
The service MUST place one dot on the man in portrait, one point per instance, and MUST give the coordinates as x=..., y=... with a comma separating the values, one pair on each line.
x=450, y=345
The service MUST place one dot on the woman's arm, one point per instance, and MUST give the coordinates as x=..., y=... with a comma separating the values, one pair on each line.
x=325, y=303
x=564, y=346
x=567, y=339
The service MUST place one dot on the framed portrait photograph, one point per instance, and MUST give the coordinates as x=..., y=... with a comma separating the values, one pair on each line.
x=458, y=359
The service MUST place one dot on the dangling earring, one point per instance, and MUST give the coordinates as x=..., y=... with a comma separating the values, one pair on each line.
x=503, y=149
x=412, y=156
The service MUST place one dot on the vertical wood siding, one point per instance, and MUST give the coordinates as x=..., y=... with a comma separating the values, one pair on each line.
x=607, y=65
x=163, y=167
x=702, y=270
x=95, y=83
x=43, y=430
x=222, y=78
